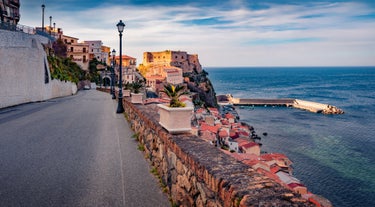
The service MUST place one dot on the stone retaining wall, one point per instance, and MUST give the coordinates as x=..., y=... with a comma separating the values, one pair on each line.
x=197, y=174
x=24, y=71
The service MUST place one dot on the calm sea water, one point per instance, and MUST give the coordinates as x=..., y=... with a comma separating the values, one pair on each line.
x=333, y=155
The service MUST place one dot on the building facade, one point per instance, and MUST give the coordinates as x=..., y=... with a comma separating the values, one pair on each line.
x=173, y=75
x=187, y=62
x=106, y=53
x=78, y=52
x=95, y=50
x=129, y=65
x=10, y=11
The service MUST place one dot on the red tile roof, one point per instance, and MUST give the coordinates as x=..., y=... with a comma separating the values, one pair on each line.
x=233, y=134
x=223, y=133
x=273, y=156
x=250, y=145
x=294, y=185
x=206, y=127
x=229, y=116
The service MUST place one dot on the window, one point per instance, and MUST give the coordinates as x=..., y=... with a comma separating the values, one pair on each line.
x=71, y=49
x=84, y=49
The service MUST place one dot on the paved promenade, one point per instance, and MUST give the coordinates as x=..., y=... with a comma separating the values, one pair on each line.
x=73, y=151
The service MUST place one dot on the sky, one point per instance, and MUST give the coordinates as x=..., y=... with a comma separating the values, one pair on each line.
x=223, y=33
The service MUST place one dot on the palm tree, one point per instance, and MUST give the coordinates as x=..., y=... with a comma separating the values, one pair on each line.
x=174, y=92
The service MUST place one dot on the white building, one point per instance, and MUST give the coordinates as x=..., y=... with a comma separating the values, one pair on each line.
x=173, y=75
x=95, y=50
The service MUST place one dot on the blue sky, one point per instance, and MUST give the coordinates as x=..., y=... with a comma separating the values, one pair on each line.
x=223, y=33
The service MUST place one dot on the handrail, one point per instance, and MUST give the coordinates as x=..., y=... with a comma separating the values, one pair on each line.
x=17, y=28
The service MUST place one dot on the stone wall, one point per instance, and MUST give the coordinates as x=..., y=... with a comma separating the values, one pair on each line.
x=24, y=71
x=197, y=174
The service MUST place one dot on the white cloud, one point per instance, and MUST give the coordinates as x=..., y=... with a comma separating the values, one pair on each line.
x=338, y=38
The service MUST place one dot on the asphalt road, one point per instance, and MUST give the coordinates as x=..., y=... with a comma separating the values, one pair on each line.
x=73, y=151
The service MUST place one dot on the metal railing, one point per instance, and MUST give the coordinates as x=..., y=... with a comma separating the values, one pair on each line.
x=17, y=28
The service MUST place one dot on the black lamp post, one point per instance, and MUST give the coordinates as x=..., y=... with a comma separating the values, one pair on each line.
x=50, y=24
x=113, y=74
x=43, y=6
x=120, y=108
x=54, y=29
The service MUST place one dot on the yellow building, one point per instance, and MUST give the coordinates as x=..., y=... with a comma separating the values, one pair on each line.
x=180, y=59
x=128, y=68
x=106, y=53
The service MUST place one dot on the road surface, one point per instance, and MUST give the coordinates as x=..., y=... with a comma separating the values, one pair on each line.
x=73, y=151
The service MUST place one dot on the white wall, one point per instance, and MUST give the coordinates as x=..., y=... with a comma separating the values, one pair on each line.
x=22, y=71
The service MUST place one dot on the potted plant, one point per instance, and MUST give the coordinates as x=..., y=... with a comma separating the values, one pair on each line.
x=136, y=96
x=176, y=116
x=127, y=89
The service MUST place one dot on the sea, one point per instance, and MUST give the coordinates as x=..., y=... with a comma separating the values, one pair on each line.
x=333, y=155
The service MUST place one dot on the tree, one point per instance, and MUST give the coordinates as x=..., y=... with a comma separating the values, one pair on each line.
x=60, y=48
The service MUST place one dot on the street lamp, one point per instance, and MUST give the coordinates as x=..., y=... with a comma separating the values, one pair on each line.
x=54, y=29
x=113, y=74
x=50, y=24
x=43, y=6
x=120, y=108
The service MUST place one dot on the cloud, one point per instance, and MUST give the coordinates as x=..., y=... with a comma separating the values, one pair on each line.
x=234, y=34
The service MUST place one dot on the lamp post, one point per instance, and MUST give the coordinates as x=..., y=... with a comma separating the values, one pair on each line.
x=120, y=108
x=43, y=6
x=113, y=74
x=50, y=24
x=54, y=29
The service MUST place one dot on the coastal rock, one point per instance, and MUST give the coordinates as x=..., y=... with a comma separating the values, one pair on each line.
x=332, y=110
x=199, y=83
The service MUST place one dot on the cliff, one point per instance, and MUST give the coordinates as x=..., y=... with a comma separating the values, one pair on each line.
x=200, y=84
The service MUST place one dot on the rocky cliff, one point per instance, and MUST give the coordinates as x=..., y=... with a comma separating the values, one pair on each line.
x=200, y=84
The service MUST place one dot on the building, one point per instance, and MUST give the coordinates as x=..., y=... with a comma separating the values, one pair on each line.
x=173, y=75
x=106, y=54
x=128, y=68
x=95, y=49
x=78, y=52
x=10, y=11
x=180, y=59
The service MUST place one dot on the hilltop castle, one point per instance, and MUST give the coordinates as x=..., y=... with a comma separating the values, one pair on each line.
x=180, y=59
x=168, y=66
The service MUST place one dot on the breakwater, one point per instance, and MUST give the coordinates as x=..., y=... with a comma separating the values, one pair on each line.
x=288, y=102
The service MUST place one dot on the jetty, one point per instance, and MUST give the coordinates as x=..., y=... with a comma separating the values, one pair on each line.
x=311, y=106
